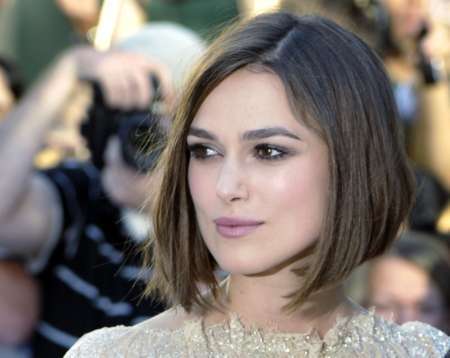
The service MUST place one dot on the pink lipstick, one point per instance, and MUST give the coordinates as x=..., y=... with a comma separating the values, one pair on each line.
x=233, y=228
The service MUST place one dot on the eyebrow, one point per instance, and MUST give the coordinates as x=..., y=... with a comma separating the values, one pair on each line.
x=255, y=134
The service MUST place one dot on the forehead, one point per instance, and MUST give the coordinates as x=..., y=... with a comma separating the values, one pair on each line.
x=406, y=4
x=246, y=99
x=408, y=280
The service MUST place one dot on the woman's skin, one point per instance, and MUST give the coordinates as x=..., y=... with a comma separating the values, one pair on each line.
x=259, y=182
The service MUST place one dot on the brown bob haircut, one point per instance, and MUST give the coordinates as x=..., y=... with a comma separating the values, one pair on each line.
x=339, y=88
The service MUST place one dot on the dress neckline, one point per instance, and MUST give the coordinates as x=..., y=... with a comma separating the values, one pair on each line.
x=342, y=330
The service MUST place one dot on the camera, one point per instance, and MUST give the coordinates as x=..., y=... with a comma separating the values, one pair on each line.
x=139, y=131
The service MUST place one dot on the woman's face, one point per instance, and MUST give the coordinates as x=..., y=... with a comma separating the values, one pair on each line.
x=258, y=177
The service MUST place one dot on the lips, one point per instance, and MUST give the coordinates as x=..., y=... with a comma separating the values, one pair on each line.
x=232, y=228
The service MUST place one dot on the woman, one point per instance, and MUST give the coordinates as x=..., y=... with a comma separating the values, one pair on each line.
x=284, y=168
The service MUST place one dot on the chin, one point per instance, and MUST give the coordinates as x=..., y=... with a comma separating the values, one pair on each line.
x=111, y=189
x=116, y=198
x=244, y=266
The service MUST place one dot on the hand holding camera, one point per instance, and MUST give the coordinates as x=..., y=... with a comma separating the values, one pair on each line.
x=123, y=76
x=139, y=130
x=129, y=91
x=432, y=48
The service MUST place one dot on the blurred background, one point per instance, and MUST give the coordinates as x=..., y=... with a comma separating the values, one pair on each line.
x=81, y=81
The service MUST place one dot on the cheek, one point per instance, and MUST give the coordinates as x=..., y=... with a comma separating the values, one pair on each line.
x=192, y=181
x=201, y=185
x=300, y=194
x=299, y=203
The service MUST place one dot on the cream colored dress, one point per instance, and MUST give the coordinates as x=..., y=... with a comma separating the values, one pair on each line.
x=364, y=335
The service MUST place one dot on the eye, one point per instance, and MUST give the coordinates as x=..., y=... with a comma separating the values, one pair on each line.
x=201, y=151
x=269, y=152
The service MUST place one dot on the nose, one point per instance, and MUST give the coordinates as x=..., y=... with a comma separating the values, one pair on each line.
x=231, y=182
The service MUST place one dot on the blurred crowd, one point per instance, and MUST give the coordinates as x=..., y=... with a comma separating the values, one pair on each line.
x=87, y=89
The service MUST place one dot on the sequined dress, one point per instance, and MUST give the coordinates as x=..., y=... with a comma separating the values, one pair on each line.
x=364, y=335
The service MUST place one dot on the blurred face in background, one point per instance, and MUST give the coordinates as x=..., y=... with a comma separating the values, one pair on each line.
x=407, y=17
x=404, y=292
x=125, y=186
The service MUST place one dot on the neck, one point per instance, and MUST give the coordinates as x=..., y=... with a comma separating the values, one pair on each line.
x=259, y=301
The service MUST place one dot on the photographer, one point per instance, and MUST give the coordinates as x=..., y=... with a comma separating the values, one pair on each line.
x=80, y=226
x=415, y=47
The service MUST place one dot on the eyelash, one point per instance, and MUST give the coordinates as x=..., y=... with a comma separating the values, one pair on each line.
x=198, y=151
x=268, y=147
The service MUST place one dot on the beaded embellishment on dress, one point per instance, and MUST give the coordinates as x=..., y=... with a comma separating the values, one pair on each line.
x=364, y=335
